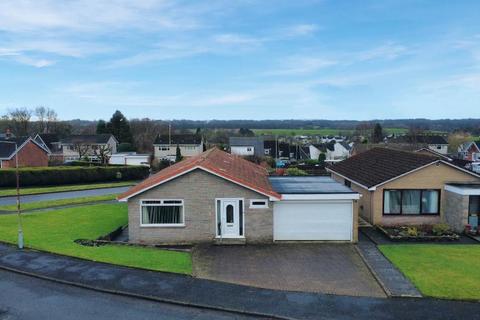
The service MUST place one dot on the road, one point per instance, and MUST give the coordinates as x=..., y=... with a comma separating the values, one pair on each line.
x=63, y=195
x=23, y=297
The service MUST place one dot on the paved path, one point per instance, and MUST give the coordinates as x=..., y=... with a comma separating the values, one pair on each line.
x=27, y=298
x=311, y=267
x=188, y=290
x=392, y=279
x=63, y=195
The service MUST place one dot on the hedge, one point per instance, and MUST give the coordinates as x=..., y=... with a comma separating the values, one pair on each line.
x=71, y=175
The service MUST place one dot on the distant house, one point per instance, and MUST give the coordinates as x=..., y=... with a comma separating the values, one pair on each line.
x=29, y=152
x=130, y=159
x=247, y=146
x=285, y=151
x=334, y=151
x=165, y=146
x=469, y=151
x=78, y=147
x=434, y=142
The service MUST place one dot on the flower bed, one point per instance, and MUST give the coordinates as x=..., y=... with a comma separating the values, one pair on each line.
x=422, y=233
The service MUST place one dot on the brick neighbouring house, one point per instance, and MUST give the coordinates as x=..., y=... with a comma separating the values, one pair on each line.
x=30, y=153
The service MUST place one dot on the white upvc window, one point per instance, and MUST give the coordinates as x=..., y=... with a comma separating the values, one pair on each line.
x=162, y=213
x=258, y=204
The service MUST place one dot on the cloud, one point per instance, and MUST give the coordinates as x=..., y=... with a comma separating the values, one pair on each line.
x=387, y=51
x=37, y=63
x=301, y=65
x=300, y=30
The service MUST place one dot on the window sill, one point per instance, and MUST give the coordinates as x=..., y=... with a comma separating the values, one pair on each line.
x=162, y=226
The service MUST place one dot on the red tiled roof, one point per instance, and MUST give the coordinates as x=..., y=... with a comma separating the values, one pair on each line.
x=228, y=166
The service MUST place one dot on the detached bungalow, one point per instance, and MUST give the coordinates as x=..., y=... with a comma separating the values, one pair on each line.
x=405, y=188
x=220, y=197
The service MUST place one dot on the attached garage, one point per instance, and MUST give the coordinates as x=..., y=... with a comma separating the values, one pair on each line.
x=313, y=209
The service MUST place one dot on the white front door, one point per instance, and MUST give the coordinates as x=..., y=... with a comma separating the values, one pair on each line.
x=230, y=219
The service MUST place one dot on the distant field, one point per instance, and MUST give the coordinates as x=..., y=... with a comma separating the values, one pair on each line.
x=321, y=132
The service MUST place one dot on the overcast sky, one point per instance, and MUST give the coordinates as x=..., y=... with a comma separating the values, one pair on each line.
x=242, y=59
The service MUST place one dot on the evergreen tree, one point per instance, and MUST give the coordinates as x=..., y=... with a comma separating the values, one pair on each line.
x=377, y=133
x=321, y=159
x=120, y=128
x=102, y=127
x=178, y=154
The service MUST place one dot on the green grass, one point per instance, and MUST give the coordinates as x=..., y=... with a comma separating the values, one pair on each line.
x=441, y=271
x=75, y=187
x=55, y=231
x=57, y=203
x=322, y=132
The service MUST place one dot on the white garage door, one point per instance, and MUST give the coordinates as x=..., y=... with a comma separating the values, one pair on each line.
x=319, y=220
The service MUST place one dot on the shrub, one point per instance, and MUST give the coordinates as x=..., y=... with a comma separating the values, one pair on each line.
x=440, y=229
x=295, y=172
x=412, y=231
x=71, y=175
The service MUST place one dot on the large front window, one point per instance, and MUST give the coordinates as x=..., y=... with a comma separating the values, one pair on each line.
x=162, y=212
x=411, y=202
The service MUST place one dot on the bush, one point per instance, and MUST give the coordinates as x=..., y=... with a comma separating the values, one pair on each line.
x=412, y=231
x=295, y=172
x=441, y=229
x=71, y=175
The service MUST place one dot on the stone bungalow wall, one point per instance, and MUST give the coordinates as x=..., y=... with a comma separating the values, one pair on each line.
x=199, y=189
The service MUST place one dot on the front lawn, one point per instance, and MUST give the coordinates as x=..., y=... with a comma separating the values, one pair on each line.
x=441, y=271
x=56, y=230
x=57, y=203
x=4, y=192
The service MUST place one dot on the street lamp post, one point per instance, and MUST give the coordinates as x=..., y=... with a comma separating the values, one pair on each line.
x=19, y=213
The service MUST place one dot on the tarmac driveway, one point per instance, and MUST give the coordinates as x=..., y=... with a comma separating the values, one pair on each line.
x=324, y=268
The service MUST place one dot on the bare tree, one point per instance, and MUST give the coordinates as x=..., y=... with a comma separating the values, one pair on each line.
x=41, y=114
x=103, y=153
x=20, y=119
x=51, y=119
x=81, y=148
x=144, y=132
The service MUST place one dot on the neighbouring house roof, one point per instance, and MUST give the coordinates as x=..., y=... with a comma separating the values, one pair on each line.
x=47, y=138
x=308, y=185
x=87, y=139
x=465, y=147
x=7, y=146
x=227, y=166
x=246, y=141
x=380, y=165
x=419, y=139
x=179, y=139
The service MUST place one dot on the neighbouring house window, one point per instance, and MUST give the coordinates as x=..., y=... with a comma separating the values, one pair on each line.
x=267, y=151
x=258, y=204
x=164, y=148
x=348, y=183
x=162, y=212
x=240, y=216
x=249, y=149
x=411, y=202
x=474, y=205
x=219, y=217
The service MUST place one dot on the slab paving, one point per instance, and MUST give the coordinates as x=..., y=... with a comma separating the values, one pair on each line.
x=311, y=267
x=393, y=281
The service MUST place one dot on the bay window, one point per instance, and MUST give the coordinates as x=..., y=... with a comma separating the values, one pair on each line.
x=411, y=202
x=162, y=213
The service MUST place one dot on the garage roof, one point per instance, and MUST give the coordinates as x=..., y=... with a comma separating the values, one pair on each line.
x=308, y=185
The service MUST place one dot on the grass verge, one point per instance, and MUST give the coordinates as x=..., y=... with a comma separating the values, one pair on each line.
x=440, y=271
x=57, y=203
x=55, y=231
x=5, y=192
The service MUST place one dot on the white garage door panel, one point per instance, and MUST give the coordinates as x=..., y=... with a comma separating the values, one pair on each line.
x=320, y=220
